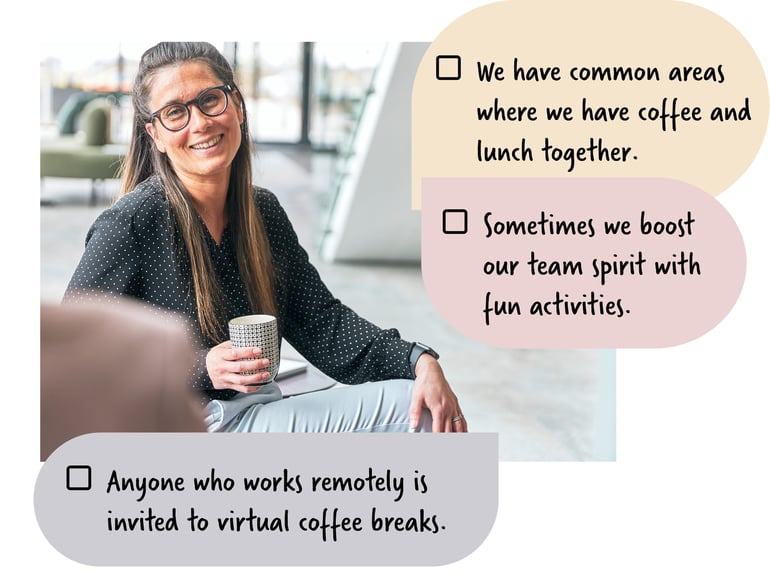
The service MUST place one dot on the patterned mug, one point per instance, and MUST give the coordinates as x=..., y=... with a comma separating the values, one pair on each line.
x=258, y=331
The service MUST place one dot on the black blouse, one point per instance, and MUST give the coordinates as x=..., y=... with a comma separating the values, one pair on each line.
x=132, y=250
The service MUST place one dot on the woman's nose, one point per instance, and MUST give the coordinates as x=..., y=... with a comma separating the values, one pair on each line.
x=197, y=118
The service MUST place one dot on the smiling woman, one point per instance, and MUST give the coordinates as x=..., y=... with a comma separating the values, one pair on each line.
x=190, y=233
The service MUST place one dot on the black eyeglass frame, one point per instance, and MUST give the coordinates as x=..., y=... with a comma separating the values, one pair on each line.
x=226, y=90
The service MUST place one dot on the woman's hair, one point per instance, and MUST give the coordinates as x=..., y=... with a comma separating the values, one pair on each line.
x=245, y=221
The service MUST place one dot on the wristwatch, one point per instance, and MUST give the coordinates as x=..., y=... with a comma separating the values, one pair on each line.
x=417, y=351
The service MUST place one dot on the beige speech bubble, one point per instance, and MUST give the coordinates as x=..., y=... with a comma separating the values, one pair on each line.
x=654, y=88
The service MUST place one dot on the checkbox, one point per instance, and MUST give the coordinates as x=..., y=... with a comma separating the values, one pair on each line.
x=79, y=478
x=448, y=67
x=455, y=221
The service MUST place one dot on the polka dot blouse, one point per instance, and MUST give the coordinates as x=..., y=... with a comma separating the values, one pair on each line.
x=132, y=251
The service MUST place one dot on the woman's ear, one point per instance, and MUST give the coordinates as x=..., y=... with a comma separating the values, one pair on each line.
x=239, y=101
x=152, y=131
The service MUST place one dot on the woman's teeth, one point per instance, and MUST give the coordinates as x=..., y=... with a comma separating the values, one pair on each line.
x=207, y=144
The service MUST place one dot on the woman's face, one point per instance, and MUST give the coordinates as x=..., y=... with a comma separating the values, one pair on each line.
x=202, y=151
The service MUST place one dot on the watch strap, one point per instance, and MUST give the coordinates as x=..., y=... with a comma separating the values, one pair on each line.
x=418, y=349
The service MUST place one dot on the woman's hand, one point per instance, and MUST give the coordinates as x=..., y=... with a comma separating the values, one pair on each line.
x=225, y=365
x=432, y=391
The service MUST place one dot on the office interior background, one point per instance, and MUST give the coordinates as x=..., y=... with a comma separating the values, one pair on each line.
x=332, y=132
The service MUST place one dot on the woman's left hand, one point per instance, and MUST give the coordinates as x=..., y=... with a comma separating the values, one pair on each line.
x=432, y=391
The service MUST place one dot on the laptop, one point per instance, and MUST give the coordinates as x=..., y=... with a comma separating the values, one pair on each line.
x=290, y=368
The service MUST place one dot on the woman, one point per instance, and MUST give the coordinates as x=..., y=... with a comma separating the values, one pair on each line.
x=192, y=235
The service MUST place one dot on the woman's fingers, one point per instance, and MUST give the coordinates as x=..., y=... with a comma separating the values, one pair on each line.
x=237, y=368
x=458, y=423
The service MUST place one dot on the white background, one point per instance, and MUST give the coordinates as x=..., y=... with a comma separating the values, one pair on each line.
x=689, y=493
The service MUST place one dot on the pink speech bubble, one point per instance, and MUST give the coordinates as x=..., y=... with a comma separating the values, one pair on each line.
x=548, y=262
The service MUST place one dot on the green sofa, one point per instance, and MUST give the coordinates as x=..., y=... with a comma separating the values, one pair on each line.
x=88, y=153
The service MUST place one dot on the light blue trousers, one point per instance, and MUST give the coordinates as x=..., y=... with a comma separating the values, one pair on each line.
x=381, y=406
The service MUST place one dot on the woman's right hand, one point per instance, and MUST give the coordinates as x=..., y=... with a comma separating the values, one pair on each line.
x=225, y=365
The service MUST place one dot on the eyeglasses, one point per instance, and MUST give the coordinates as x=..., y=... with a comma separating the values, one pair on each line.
x=211, y=102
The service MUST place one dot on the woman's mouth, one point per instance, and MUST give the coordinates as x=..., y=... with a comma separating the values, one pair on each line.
x=208, y=144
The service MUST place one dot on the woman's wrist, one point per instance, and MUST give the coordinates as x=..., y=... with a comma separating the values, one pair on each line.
x=425, y=363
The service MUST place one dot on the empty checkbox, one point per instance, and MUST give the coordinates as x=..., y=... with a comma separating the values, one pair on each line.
x=79, y=478
x=448, y=67
x=455, y=221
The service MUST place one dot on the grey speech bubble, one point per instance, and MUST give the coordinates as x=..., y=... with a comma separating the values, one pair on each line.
x=390, y=499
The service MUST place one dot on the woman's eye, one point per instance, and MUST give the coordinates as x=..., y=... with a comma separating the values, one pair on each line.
x=210, y=101
x=173, y=112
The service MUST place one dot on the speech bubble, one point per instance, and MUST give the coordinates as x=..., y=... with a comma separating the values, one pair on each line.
x=128, y=499
x=603, y=262
x=588, y=89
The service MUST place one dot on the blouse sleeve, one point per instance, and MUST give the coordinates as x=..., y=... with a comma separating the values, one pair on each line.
x=110, y=264
x=327, y=333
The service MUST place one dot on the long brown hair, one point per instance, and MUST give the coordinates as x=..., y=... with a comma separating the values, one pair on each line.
x=245, y=221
